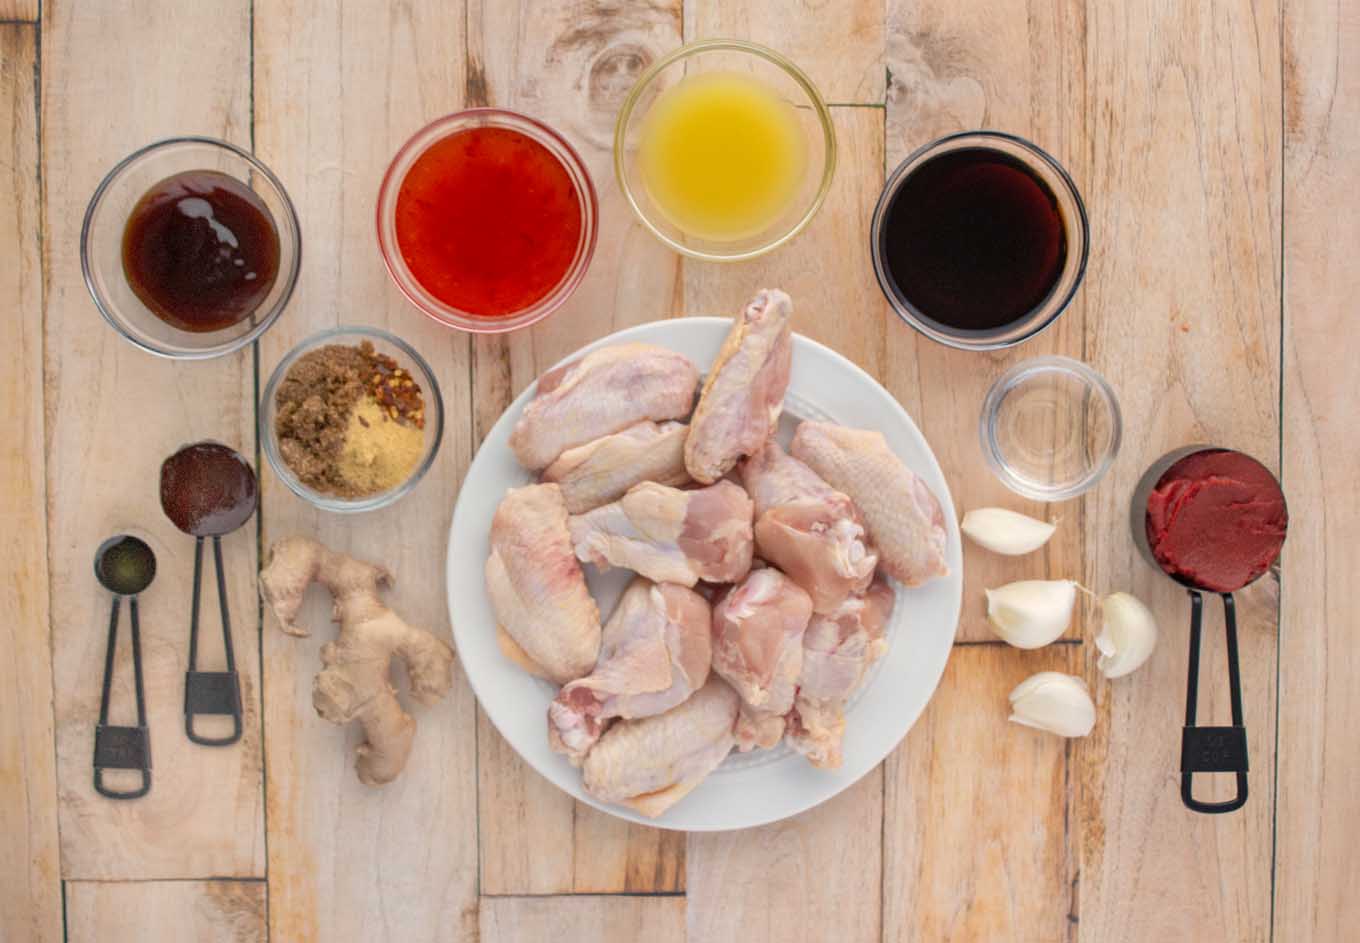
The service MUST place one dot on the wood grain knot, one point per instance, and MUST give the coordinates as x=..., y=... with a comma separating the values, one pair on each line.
x=931, y=90
x=614, y=72
x=604, y=52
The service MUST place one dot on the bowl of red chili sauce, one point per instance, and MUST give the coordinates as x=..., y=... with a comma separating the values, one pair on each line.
x=487, y=220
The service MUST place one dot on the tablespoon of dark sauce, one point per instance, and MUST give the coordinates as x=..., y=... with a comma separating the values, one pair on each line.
x=208, y=490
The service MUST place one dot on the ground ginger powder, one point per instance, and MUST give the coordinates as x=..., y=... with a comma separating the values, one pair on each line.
x=379, y=452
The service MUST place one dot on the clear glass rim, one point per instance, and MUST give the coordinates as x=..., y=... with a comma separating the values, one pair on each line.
x=290, y=222
x=385, y=213
x=1048, y=311
x=269, y=442
x=991, y=447
x=731, y=45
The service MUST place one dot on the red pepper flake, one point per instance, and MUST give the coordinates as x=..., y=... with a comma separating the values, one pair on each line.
x=393, y=387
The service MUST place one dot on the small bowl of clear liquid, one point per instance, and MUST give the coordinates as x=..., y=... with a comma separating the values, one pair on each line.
x=1050, y=428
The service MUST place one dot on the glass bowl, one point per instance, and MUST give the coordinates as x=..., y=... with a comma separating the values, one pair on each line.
x=101, y=245
x=411, y=151
x=1075, y=228
x=1050, y=428
x=407, y=358
x=774, y=71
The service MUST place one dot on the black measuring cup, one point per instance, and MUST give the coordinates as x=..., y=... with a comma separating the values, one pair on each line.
x=1205, y=749
x=209, y=490
x=125, y=566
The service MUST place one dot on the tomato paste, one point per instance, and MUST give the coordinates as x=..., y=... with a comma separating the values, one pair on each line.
x=1216, y=519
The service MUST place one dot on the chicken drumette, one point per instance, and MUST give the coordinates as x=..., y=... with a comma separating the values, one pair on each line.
x=655, y=653
x=904, y=519
x=758, y=648
x=669, y=535
x=838, y=649
x=807, y=528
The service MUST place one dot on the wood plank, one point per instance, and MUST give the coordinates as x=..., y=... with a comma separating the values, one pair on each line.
x=21, y=10
x=127, y=912
x=817, y=876
x=610, y=855
x=30, y=885
x=1318, y=857
x=599, y=919
x=839, y=44
x=1014, y=66
x=204, y=815
x=1184, y=289
x=974, y=810
x=1019, y=67
x=571, y=64
x=811, y=878
x=536, y=839
x=338, y=88
x=514, y=802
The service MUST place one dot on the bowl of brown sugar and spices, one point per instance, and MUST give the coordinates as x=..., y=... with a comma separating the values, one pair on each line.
x=351, y=419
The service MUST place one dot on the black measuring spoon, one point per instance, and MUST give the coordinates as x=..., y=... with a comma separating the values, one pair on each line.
x=1206, y=749
x=208, y=490
x=125, y=566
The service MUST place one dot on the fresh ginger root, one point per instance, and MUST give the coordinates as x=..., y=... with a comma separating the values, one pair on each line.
x=354, y=683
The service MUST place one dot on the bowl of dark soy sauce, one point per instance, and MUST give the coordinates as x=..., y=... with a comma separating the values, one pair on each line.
x=190, y=248
x=980, y=240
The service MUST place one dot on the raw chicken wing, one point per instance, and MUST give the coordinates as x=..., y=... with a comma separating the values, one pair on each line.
x=904, y=519
x=605, y=391
x=758, y=647
x=807, y=528
x=655, y=653
x=603, y=471
x=758, y=729
x=837, y=651
x=744, y=392
x=669, y=535
x=547, y=621
x=653, y=763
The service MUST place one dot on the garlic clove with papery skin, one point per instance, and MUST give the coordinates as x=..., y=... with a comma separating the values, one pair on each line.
x=1128, y=634
x=1007, y=532
x=1055, y=702
x=1031, y=613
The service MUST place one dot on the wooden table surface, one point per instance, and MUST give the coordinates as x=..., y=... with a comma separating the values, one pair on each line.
x=1217, y=144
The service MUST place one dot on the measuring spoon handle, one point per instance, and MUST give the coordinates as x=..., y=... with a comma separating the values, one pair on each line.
x=211, y=692
x=116, y=746
x=1213, y=749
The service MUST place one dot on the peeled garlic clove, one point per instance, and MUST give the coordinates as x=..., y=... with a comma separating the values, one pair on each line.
x=1128, y=634
x=1053, y=701
x=1031, y=613
x=1008, y=532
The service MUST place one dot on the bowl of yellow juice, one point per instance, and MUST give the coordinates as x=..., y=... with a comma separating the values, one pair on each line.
x=724, y=149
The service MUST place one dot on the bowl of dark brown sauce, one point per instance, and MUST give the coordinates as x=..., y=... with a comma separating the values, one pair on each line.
x=980, y=240
x=190, y=248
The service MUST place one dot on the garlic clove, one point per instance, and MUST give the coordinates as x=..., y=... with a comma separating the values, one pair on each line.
x=1031, y=613
x=1128, y=634
x=1055, y=702
x=1007, y=532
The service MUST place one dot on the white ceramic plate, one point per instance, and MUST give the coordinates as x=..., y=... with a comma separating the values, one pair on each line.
x=748, y=789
